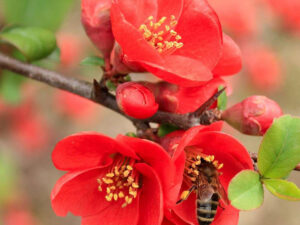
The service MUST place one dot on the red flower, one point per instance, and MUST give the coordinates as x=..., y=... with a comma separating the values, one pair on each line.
x=178, y=41
x=176, y=99
x=95, y=17
x=136, y=100
x=238, y=17
x=213, y=148
x=122, y=181
x=14, y=217
x=253, y=116
x=263, y=67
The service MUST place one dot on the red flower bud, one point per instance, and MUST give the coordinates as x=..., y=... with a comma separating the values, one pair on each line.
x=95, y=17
x=253, y=116
x=136, y=100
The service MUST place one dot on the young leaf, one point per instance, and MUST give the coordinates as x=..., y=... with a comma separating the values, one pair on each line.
x=279, y=151
x=165, y=129
x=283, y=189
x=47, y=14
x=92, y=61
x=222, y=99
x=34, y=43
x=245, y=190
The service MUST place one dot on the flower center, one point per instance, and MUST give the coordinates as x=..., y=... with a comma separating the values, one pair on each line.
x=161, y=35
x=197, y=163
x=121, y=181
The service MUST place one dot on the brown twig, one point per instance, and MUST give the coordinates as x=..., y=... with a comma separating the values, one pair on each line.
x=254, y=158
x=96, y=93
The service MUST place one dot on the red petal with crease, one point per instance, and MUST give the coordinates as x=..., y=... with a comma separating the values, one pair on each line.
x=115, y=215
x=78, y=193
x=181, y=70
x=201, y=33
x=86, y=150
x=151, y=197
x=231, y=60
x=158, y=159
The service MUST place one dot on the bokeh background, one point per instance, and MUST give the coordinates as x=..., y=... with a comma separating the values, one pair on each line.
x=33, y=116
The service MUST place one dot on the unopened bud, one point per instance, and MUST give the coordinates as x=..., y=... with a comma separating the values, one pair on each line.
x=95, y=17
x=136, y=100
x=252, y=116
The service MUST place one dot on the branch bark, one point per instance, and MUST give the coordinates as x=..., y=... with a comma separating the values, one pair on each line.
x=95, y=93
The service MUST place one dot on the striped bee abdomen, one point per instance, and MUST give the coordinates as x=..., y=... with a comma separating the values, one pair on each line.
x=207, y=209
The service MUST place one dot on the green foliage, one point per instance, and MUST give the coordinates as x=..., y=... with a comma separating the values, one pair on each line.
x=283, y=189
x=130, y=134
x=110, y=85
x=245, y=190
x=92, y=61
x=34, y=43
x=222, y=99
x=10, y=87
x=279, y=151
x=8, y=177
x=165, y=129
x=41, y=13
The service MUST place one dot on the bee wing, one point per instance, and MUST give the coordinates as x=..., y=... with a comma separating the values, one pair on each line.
x=205, y=192
x=222, y=193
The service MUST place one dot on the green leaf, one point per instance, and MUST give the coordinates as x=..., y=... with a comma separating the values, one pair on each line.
x=222, y=99
x=34, y=43
x=47, y=14
x=165, y=129
x=92, y=61
x=110, y=85
x=130, y=134
x=10, y=87
x=279, y=151
x=245, y=190
x=283, y=189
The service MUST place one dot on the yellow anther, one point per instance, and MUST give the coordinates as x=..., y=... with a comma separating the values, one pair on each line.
x=198, y=162
x=179, y=45
x=117, y=171
x=173, y=17
x=198, y=157
x=126, y=173
x=151, y=23
x=162, y=20
x=160, y=38
x=130, y=180
x=113, y=188
x=143, y=27
x=133, y=193
x=167, y=28
x=119, y=183
x=121, y=194
x=178, y=37
x=173, y=23
x=193, y=178
x=160, y=33
x=124, y=205
x=129, y=167
x=110, y=175
x=129, y=200
x=115, y=197
x=147, y=34
x=159, y=50
x=220, y=166
x=107, y=181
x=150, y=18
x=107, y=190
x=99, y=188
x=194, y=165
x=99, y=181
x=135, y=185
x=184, y=195
x=173, y=32
x=196, y=172
x=159, y=44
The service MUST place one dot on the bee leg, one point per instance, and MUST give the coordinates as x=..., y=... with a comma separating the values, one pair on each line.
x=186, y=194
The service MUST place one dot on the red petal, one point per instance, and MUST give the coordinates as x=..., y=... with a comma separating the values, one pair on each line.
x=86, y=150
x=155, y=156
x=136, y=12
x=191, y=134
x=201, y=33
x=181, y=70
x=151, y=197
x=229, y=216
x=231, y=60
x=169, y=7
x=115, y=215
x=78, y=193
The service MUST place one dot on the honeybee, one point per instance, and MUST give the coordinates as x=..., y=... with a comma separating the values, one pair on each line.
x=204, y=177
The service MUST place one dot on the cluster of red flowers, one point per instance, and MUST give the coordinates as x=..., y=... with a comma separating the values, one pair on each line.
x=133, y=181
